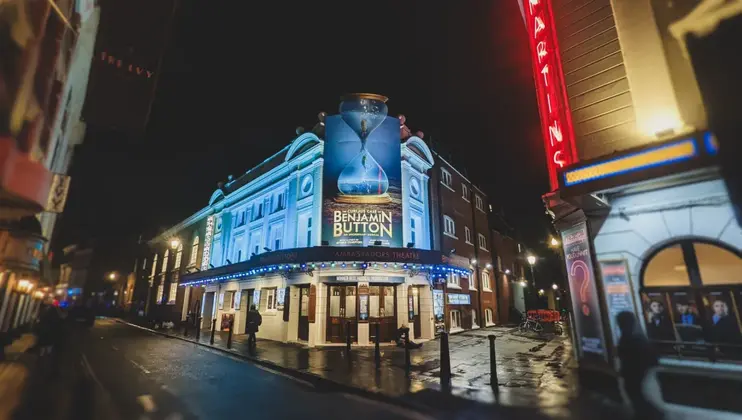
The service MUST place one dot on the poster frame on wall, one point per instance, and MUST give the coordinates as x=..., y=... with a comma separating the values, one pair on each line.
x=577, y=246
x=623, y=263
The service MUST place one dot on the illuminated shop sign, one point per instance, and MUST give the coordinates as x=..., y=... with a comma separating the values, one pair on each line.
x=556, y=121
x=666, y=154
x=206, y=258
x=458, y=299
x=362, y=182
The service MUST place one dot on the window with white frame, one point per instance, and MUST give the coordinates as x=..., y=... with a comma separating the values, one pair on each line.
x=474, y=319
x=276, y=237
x=472, y=283
x=454, y=280
x=482, y=241
x=415, y=225
x=154, y=266
x=192, y=260
x=164, y=261
x=173, y=293
x=479, y=202
x=449, y=227
x=488, y=318
x=270, y=299
x=160, y=292
x=455, y=319
x=255, y=243
x=257, y=210
x=465, y=192
x=279, y=202
x=467, y=235
x=178, y=258
x=237, y=250
x=304, y=231
x=446, y=178
x=309, y=231
x=486, y=280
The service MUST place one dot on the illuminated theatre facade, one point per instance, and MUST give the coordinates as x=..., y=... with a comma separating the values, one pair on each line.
x=333, y=234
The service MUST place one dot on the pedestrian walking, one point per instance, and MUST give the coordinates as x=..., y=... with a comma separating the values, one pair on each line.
x=637, y=357
x=254, y=320
x=50, y=335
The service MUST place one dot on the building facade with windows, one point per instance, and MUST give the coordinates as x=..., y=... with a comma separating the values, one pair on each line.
x=266, y=239
x=639, y=195
x=45, y=49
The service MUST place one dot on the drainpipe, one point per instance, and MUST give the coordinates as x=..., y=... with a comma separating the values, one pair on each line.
x=477, y=278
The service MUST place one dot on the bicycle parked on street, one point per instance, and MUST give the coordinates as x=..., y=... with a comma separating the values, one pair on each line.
x=531, y=324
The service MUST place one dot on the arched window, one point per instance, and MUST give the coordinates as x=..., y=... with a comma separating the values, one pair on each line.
x=194, y=252
x=173, y=293
x=692, y=300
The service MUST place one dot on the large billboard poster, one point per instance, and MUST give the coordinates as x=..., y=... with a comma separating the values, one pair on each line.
x=362, y=183
x=584, y=292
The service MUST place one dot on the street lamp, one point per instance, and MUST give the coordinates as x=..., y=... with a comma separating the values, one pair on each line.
x=174, y=243
x=473, y=261
x=554, y=242
x=554, y=286
x=531, y=260
x=112, y=276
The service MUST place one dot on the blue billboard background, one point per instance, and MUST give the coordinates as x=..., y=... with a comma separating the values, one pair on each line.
x=342, y=145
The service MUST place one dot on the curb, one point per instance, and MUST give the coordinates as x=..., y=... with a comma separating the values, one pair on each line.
x=311, y=378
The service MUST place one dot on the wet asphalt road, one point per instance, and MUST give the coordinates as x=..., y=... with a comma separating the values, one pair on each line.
x=140, y=375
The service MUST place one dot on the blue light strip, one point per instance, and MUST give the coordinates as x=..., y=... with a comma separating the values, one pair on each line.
x=438, y=271
x=712, y=147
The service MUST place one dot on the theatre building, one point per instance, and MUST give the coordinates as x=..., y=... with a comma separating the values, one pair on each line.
x=646, y=220
x=342, y=230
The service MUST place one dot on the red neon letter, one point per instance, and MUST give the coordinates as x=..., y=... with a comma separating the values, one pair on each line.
x=555, y=133
x=532, y=3
x=545, y=72
x=558, y=158
x=538, y=26
x=541, y=50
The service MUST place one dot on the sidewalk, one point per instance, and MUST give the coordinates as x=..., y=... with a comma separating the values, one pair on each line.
x=14, y=374
x=532, y=373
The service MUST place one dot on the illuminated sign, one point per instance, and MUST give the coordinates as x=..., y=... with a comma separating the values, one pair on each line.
x=458, y=299
x=129, y=67
x=206, y=258
x=362, y=176
x=556, y=121
x=652, y=157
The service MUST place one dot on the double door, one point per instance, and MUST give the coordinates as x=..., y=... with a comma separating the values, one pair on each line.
x=383, y=310
x=246, y=302
x=342, y=311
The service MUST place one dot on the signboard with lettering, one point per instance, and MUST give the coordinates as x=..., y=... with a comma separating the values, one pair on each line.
x=363, y=290
x=586, y=308
x=362, y=182
x=126, y=62
x=618, y=295
x=438, y=305
x=458, y=299
x=280, y=298
x=556, y=121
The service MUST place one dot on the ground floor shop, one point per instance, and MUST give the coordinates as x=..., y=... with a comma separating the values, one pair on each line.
x=325, y=295
x=667, y=247
x=324, y=310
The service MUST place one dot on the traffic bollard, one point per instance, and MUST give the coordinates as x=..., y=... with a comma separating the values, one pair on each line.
x=377, y=351
x=347, y=337
x=198, y=329
x=445, y=363
x=407, y=362
x=213, y=330
x=229, y=334
x=493, y=363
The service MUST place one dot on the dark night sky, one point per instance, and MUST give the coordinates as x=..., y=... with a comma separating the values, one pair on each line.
x=239, y=79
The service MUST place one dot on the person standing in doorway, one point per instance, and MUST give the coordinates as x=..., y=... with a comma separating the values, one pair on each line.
x=254, y=320
x=637, y=358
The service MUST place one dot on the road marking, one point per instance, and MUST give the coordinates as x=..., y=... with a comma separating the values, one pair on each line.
x=147, y=402
x=114, y=347
x=142, y=368
x=86, y=364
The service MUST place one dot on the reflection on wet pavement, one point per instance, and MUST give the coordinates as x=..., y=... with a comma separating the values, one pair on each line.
x=530, y=371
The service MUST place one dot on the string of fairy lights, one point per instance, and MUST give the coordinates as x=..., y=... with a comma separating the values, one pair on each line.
x=436, y=271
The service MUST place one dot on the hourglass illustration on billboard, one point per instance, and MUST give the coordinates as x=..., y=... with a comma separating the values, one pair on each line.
x=363, y=180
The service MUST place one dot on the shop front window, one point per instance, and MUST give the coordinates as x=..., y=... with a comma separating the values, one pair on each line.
x=455, y=319
x=690, y=296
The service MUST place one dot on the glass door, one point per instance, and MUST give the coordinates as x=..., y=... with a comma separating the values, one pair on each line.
x=341, y=309
x=304, y=313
